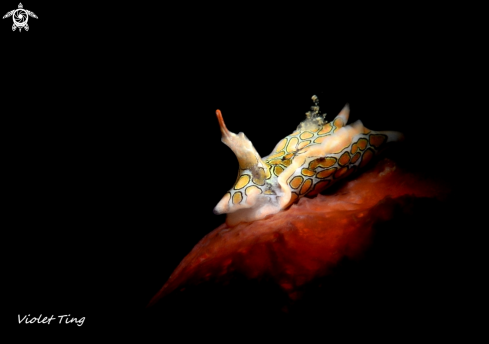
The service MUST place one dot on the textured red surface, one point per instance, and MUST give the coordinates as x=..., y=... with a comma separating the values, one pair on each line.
x=305, y=241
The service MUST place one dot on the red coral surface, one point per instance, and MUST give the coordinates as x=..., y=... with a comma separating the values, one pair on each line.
x=308, y=239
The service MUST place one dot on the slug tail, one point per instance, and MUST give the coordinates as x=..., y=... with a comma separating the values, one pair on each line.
x=393, y=136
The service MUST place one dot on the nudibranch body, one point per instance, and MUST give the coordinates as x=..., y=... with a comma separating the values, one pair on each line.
x=317, y=154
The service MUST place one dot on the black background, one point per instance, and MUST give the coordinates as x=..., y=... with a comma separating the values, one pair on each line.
x=113, y=161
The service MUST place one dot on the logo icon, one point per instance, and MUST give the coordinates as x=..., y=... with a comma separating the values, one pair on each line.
x=20, y=17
